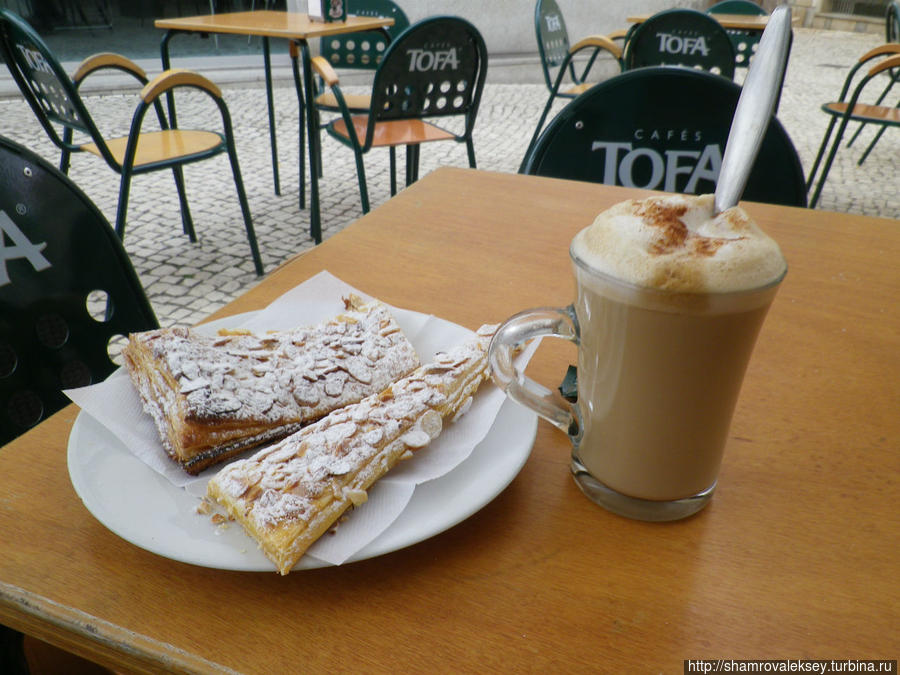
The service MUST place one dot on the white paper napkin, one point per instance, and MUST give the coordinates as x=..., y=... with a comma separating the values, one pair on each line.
x=116, y=405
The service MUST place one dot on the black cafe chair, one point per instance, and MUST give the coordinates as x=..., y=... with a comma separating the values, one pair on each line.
x=681, y=37
x=434, y=70
x=68, y=291
x=662, y=128
x=54, y=97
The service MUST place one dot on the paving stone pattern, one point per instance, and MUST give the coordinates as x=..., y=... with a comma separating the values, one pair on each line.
x=185, y=281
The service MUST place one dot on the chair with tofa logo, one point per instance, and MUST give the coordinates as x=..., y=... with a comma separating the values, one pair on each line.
x=434, y=70
x=68, y=291
x=662, y=128
x=681, y=37
x=558, y=57
x=54, y=97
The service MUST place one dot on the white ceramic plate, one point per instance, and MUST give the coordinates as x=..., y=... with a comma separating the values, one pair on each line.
x=145, y=509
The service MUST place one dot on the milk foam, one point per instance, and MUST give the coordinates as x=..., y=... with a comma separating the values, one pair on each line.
x=673, y=243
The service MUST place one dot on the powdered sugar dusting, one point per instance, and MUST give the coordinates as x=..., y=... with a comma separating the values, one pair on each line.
x=290, y=484
x=235, y=379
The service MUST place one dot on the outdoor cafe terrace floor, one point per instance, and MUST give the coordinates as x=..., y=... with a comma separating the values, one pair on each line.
x=185, y=282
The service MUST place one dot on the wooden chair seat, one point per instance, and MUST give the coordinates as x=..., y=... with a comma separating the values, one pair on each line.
x=865, y=112
x=394, y=132
x=328, y=101
x=578, y=89
x=161, y=146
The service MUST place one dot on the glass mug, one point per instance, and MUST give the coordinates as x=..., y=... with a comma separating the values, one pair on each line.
x=658, y=377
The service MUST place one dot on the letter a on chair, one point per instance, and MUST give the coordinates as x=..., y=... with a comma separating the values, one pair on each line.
x=55, y=100
x=67, y=288
x=435, y=68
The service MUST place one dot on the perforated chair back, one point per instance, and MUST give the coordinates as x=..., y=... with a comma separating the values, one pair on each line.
x=435, y=68
x=744, y=42
x=45, y=85
x=365, y=50
x=681, y=37
x=552, y=38
x=662, y=128
x=66, y=289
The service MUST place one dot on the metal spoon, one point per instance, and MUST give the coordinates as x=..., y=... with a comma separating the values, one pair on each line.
x=754, y=109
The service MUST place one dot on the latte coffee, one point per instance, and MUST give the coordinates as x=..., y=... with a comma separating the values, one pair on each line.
x=670, y=300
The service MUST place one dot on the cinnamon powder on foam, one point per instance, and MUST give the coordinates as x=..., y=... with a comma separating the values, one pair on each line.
x=673, y=243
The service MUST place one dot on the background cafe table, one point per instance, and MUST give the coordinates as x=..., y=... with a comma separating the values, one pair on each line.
x=298, y=28
x=748, y=22
x=796, y=556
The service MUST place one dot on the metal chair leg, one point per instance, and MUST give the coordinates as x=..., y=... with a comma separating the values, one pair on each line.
x=828, y=162
x=361, y=176
x=870, y=146
x=812, y=172
x=393, y=167
x=245, y=208
x=122, y=208
x=187, y=223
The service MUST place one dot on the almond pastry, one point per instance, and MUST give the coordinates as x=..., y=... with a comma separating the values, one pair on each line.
x=212, y=397
x=287, y=495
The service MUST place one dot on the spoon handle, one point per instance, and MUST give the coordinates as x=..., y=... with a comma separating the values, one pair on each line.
x=754, y=109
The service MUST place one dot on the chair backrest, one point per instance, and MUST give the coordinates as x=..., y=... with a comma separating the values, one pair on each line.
x=681, y=37
x=66, y=289
x=745, y=7
x=662, y=128
x=892, y=22
x=744, y=42
x=436, y=67
x=45, y=85
x=552, y=37
x=364, y=51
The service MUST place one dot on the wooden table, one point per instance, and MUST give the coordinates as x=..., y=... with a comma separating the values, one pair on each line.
x=299, y=29
x=796, y=556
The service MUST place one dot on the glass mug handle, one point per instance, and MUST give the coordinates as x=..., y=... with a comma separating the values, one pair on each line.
x=515, y=331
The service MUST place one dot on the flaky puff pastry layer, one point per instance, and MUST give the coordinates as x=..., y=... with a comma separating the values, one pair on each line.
x=289, y=494
x=212, y=397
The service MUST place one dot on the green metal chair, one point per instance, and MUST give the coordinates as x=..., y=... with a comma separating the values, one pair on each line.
x=434, y=69
x=54, y=97
x=892, y=36
x=681, y=37
x=662, y=128
x=744, y=42
x=556, y=53
x=353, y=51
x=848, y=106
x=360, y=51
x=67, y=289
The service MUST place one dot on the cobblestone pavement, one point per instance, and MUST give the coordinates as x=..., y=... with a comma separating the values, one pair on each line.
x=185, y=281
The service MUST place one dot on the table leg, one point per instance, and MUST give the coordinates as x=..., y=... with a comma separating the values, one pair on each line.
x=301, y=131
x=270, y=101
x=166, y=64
x=312, y=139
